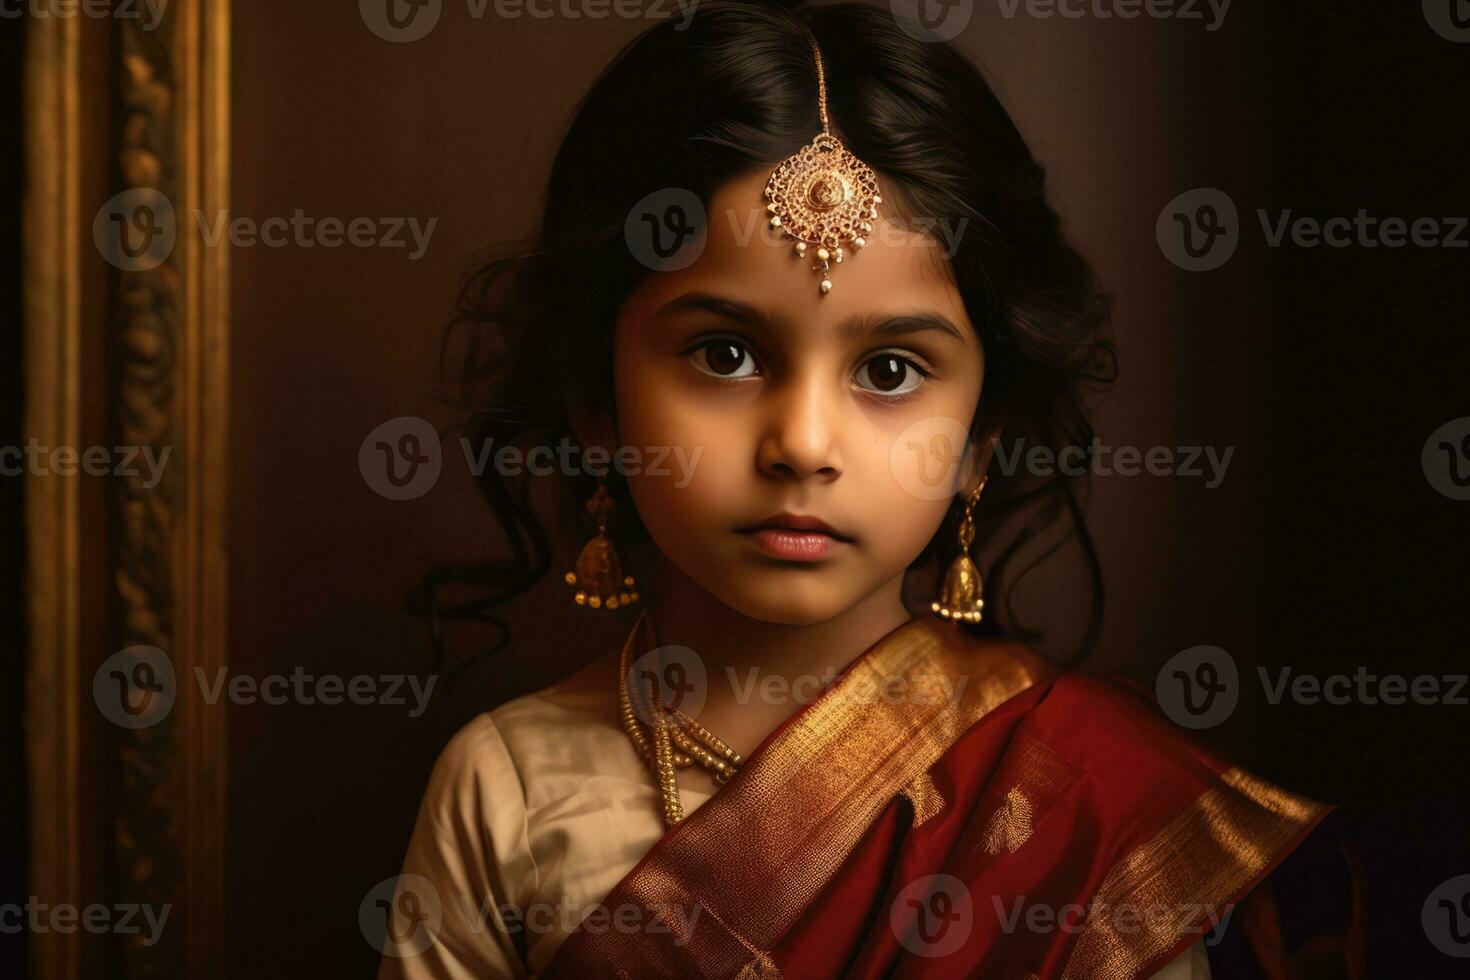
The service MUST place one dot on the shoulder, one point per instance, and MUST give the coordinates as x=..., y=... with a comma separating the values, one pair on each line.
x=586, y=699
x=472, y=769
x=483, y=760
x=1113, y=729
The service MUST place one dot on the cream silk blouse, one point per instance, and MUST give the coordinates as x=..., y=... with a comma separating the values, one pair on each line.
x=534, y=812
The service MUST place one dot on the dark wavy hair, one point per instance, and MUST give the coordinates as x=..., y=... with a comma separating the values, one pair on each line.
x=692, y=104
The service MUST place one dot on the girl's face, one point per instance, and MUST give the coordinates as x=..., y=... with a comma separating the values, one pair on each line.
x=845, y=414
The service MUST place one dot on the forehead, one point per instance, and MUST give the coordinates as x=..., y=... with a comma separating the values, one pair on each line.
x=901, y=272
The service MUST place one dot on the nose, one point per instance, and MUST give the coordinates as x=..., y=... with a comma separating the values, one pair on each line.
x=801, y=434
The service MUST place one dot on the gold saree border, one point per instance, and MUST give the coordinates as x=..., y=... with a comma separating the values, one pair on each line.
x=826, y=776
x=1200, y=862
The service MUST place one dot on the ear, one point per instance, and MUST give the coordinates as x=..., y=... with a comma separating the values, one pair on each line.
x=982, y=449
x=592, y=427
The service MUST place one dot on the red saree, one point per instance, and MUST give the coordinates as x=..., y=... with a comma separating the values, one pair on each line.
x=952, y=807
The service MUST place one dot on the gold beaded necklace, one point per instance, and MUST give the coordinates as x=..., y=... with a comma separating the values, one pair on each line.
x=675, y=740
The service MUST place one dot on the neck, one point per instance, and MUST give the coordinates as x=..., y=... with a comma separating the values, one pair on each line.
x=737, y=649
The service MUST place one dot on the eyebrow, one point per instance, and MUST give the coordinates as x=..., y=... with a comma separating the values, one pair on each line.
x=849, y=329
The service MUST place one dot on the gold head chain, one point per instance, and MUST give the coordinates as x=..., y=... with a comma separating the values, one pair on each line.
x=822, y=196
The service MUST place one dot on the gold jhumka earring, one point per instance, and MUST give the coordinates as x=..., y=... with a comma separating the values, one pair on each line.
x=823, y=196
x=961, y=596
x=599, y=578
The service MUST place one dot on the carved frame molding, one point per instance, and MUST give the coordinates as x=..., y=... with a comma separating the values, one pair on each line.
x=155, y=833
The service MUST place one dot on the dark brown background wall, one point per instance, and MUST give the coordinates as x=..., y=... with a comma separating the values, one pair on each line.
x=1326, y=370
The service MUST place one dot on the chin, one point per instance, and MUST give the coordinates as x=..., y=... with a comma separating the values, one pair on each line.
x=778, y=601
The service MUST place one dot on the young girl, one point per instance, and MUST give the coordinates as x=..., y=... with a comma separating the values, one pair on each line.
x=749, y=262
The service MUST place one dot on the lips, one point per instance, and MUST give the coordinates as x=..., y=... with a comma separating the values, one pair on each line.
x=795, y=537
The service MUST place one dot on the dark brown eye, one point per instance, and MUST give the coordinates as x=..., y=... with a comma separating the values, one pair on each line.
x=725, y=359
x=889, y=374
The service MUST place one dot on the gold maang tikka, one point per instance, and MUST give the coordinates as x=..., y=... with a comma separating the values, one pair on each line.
x=823, y=196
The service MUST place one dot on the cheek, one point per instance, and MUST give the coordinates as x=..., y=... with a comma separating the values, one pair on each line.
x=899, y=523
x=703, y=451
